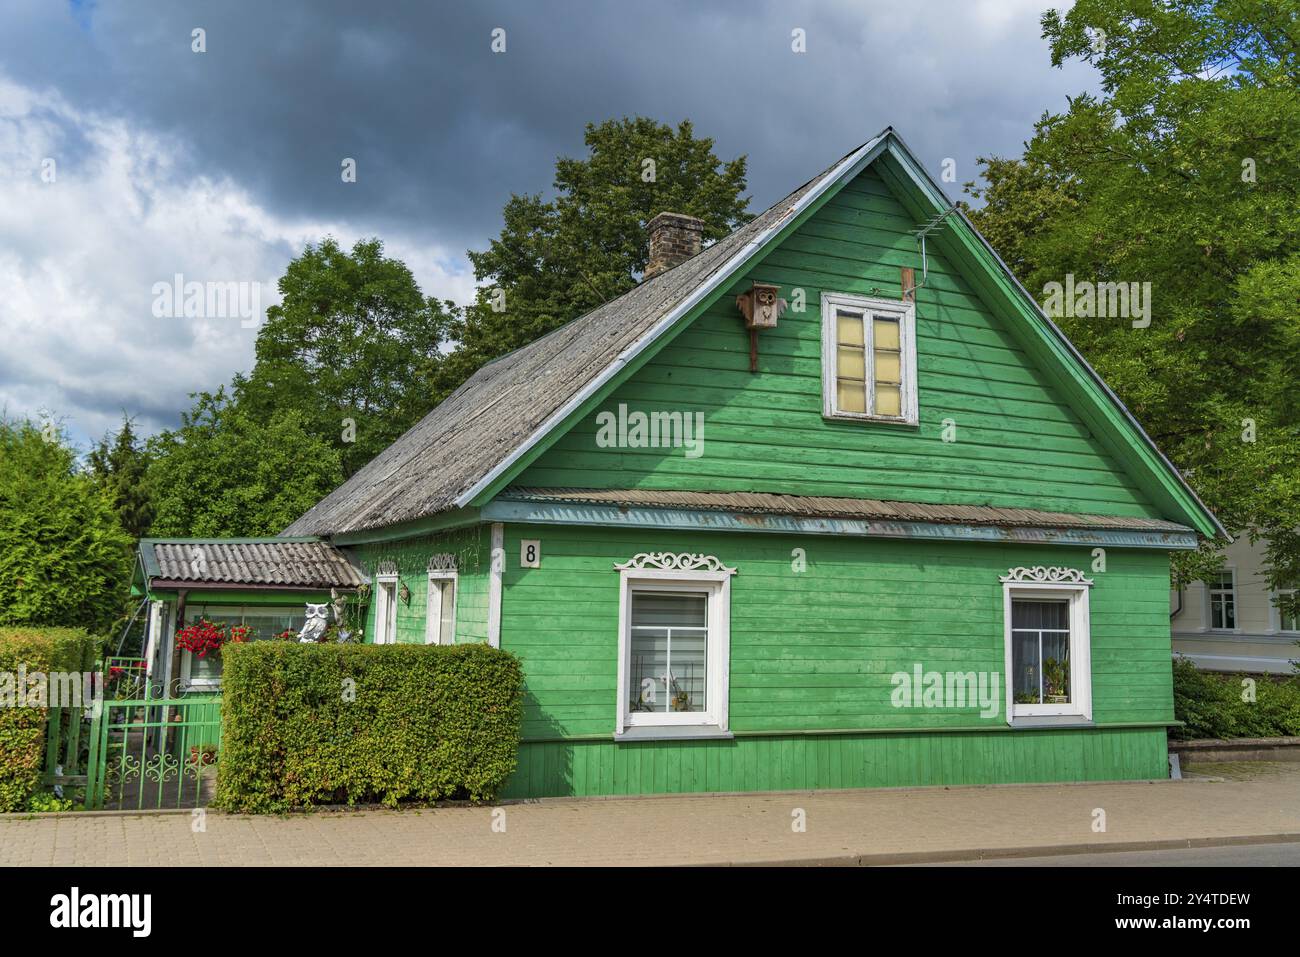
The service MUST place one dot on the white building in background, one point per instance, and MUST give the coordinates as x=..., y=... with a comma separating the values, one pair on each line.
x=1231, y=623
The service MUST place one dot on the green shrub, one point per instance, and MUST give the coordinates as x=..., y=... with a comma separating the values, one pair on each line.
x=332, y=724
x=1211, y=705
x=22, y=730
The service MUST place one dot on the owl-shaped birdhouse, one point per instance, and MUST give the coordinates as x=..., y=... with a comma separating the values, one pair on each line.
x=760, y=306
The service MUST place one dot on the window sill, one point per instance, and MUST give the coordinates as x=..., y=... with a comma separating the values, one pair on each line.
x=1051, y=721
x=873, y=419
x=677, y=733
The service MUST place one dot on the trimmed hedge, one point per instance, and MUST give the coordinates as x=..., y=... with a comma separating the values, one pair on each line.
x=1210, y=705
x=425, y=722
x=22, y=730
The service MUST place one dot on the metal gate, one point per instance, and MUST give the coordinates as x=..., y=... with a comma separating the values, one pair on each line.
x=149, y=752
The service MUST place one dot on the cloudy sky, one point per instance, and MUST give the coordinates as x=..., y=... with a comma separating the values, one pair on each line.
x=220, y=165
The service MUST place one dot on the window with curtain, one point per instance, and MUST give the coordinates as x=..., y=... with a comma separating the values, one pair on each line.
x=669, y=658
x=1040, y=651
x=869, y=358
x=1223, y=600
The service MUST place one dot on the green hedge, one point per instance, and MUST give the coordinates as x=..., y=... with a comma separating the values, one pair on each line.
x=22, y=730
x=424, y=722
x=1211, y=705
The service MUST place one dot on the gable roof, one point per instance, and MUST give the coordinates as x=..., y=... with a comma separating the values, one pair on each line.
x=477, y=439
x=269, y=562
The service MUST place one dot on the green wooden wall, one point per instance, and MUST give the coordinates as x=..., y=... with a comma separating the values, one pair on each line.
x=471, y=547
x=814, y=762
x=812, y=654
x=1018, y=443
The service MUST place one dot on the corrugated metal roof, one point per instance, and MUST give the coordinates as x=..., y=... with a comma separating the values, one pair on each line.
x=274, y=562
x=484, y=421
x=814, y=506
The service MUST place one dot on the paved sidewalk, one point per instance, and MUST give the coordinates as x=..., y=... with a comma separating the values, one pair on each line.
x=870, y=826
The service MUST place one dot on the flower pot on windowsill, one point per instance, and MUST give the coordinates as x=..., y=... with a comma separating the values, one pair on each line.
x=1058, y=699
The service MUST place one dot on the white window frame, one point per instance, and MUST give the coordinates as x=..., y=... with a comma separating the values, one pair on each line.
x=187, y=657
x=1076, y=593
x=1277, y=612
x=905, y=312
x=1236, y=604
x=716, y=583
x=385, y=598
x=432, y=622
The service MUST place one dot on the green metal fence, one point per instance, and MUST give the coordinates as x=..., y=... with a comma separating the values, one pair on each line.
x=152, y=752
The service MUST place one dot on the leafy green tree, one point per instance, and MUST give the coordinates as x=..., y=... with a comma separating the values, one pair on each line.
x=64, y=558
x=223, y=473
x=556, y=260
x=347, y=350
x=120, y=464
x=1184, y=173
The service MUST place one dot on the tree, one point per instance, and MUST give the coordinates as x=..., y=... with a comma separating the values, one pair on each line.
x=225, y=474
x=556, y=260
x=120, y=463
x=64, y=558
x=1184, y=173
x=347, y=350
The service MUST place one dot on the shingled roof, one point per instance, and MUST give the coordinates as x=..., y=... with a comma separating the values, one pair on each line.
x=272, y=562
x=484, y=421
x=472, y=439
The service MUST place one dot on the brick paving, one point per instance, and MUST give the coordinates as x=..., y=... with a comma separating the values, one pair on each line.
x=869, y=826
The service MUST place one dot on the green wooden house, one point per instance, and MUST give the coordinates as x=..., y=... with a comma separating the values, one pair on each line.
x=830, y=503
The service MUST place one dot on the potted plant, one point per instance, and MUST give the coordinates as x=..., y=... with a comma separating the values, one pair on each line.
x=1056, y=678
x=203, y=754
x=205, y=637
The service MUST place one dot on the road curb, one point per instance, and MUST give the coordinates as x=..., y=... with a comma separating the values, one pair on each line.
x=1012, y=853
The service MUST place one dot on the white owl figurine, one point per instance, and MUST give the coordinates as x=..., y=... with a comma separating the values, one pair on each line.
x=315, y=624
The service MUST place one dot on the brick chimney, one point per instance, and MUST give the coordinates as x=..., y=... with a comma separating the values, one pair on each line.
x=674, y=238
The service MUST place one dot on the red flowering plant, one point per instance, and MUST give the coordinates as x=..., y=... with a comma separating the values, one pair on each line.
x=206, y=637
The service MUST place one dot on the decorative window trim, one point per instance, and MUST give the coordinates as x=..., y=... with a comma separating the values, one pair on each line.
x=1045, y=582
x=443, y=562
x=432, y=625
x=674, y=561
x=1045, y=574
x=906, y=313
x=693, y=572
x=386, y=570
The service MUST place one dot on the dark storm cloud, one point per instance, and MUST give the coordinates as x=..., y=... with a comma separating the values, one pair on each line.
x=443, y=129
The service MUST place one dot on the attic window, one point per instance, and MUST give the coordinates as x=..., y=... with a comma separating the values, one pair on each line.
x=868, y=359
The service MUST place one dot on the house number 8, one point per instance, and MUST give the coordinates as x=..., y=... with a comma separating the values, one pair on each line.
x=530, y=553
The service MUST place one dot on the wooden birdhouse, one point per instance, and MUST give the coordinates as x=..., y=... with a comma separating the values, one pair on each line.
x=760, y=306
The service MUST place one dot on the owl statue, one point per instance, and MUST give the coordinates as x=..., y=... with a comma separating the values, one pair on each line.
x=314, y=627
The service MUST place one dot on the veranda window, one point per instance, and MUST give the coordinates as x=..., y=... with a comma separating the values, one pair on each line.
x=265, y=623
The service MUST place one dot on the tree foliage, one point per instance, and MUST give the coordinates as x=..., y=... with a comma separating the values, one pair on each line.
x=222, y=473
x=120, y=464
x=1184, y=173
x=347, y=350
x=64, y=558
x=557, y=259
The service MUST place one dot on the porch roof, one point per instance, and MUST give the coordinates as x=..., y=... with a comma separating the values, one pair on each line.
x=248, y=562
